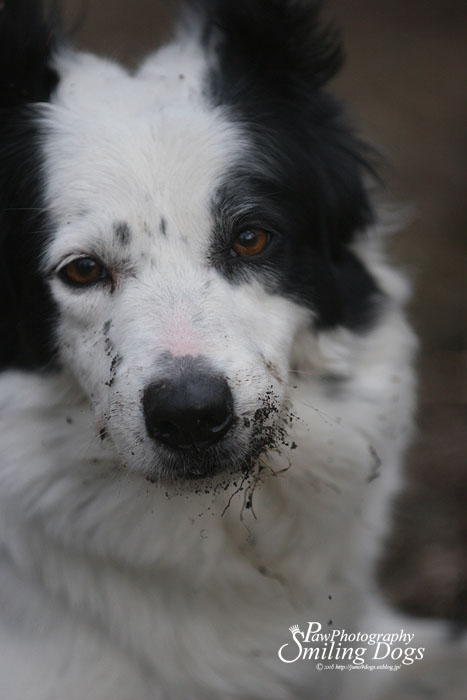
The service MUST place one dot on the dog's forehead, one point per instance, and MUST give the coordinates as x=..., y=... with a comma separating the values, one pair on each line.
x=144, y=150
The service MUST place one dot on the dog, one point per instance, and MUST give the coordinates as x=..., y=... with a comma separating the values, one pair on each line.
x=207, y=379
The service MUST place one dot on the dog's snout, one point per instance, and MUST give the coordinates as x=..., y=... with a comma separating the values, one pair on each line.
x=192, y=411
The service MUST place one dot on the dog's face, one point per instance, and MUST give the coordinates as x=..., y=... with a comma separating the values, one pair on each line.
x=197, y=217
x=165, y=314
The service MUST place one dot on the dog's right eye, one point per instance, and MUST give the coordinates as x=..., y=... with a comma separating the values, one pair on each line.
x=83, y=271
x=251, y=242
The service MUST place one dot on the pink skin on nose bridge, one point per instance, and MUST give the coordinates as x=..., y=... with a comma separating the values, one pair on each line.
x=181, y=339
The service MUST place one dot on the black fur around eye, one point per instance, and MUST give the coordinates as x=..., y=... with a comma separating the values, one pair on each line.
x=83, y=272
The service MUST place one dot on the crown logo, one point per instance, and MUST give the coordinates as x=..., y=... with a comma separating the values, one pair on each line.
x=294, y=629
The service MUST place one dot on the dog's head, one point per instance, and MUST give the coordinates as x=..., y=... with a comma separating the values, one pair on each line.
x=167, y=234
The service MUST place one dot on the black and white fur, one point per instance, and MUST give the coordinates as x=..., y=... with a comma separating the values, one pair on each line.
x=128, y=571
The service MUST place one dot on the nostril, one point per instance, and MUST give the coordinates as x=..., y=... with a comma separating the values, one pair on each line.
x=164, y=429
x=219, y=427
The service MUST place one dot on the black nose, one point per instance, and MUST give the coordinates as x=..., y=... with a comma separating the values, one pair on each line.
x=190, y=412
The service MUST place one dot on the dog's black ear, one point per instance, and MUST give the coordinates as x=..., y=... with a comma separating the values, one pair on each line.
x=269, y=45
x=27, y=78
x=27, y=40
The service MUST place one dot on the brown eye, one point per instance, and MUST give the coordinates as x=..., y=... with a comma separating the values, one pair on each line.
x=82, y=271
x=251, y=242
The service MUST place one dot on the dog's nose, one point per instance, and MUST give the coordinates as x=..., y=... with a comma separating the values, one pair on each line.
x=191, y=412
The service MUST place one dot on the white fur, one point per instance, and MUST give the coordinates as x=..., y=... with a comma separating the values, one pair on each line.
x=116, y=587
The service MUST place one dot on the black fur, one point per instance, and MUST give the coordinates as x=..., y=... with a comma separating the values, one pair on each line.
x=304, y=179
x=122, y=232
x=26, y=77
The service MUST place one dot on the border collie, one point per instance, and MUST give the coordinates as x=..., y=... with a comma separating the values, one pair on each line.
x=207, y=383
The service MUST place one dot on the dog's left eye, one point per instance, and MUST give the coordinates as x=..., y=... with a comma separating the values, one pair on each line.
x=251, y=242
x=83, y=271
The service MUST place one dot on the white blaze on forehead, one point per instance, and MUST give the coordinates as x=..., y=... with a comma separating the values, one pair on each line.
x=137, y=147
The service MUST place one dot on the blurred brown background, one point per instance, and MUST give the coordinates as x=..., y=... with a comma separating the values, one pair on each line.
x=406, y=83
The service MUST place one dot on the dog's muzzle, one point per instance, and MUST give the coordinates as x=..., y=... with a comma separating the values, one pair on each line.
x=191, y=409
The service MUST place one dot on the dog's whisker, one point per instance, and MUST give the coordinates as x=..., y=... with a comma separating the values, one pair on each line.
x=13, y=209
x=310, y=373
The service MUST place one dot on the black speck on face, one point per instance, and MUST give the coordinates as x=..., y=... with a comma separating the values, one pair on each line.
x=273, y=370
x=106, y=326
x=163, y=226
x=122, y=232
x=116, y=362
x=108, y=346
